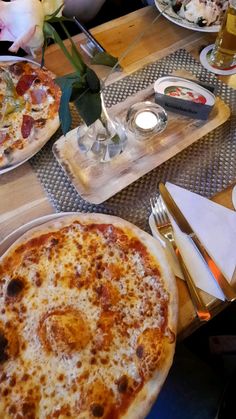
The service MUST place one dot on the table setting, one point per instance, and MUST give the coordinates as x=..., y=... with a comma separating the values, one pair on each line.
x=205, y=219
x=150, y=152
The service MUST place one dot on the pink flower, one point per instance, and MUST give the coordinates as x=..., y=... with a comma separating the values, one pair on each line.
x=21, y=21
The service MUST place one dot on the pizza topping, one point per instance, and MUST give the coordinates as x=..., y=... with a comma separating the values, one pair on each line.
x=140, y=351
x=8, y=151
x=98, y=400
x=9, y=344
x=149, y=350
x=24, y=83
x=38, y=96
x=16, y=68
x=64, y=331
x=40, y=123
x=14, y=287
x=3, y=348
x=4, y=136
x=108, y=294
x=122, y=384
x=97, y=410
x=27, y=125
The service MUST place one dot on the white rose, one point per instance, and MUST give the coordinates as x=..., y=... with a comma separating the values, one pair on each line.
x=50, y=6
x=21, y=21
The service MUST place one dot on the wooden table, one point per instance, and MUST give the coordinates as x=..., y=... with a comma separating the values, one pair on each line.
x=21, y=195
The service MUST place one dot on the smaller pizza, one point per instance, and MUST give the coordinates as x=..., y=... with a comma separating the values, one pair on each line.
x=29, y=103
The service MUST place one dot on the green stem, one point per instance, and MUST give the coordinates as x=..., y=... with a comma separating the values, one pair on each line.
x=51, y=32
x=43, y=53
x=80, y=64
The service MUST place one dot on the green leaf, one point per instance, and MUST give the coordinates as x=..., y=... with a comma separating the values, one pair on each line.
x=103, y=58
x=64, y=109
x=89, y=106
x=50, y=32
x=78, y=59
x=77, y=90
x=43, y=52
x=58, y=19
x=115, y=139
x=92, y=80
x=77, y=83
x=67, y=79
x=74, y=51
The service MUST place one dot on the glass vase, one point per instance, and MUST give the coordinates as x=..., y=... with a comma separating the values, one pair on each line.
x=105, y=139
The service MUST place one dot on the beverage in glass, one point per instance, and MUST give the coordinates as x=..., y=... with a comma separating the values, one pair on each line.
x=223, y=54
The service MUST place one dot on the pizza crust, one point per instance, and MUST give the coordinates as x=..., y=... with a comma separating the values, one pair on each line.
x=146, y=397
x=40, y=139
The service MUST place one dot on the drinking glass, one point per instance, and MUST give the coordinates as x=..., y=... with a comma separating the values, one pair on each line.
x=223, y=55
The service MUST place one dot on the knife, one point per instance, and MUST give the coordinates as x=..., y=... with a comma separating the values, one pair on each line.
x=185, y=227
x=89, y=35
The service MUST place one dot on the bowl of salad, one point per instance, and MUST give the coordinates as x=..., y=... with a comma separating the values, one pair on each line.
x=198, y=15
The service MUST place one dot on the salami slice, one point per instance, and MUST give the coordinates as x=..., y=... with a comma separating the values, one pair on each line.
x=38, y=96
x=27, y=125
x=24, y=83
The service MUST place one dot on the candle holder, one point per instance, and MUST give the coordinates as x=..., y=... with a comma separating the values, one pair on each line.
x=145, y=119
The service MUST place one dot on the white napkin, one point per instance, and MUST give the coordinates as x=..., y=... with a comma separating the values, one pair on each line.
x=215, y=226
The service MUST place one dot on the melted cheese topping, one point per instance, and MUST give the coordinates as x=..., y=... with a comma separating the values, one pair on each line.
x=88, y=310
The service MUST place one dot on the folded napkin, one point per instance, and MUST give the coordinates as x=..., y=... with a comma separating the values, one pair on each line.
x=215, y=226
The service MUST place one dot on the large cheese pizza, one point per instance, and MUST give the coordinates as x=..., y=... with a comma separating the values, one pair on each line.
x=88, y=312
x=29, y=102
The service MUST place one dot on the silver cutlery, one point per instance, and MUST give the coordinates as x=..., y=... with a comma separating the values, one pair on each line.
x=88, y=34
x=164, y=227
x=185, y=227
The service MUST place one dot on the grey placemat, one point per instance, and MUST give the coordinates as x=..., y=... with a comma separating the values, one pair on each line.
x=206, y=167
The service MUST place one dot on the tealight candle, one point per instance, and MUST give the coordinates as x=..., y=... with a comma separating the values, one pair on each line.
x=146, y=120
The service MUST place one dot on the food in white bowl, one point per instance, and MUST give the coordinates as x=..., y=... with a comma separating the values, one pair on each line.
x=201, y=12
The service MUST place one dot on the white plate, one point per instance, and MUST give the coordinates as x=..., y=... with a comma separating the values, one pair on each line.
x=14, y=235
x=173, y=17
x=234, y=197
x=4, y=58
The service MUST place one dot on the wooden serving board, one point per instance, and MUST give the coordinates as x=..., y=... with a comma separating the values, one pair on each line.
x=96, y=182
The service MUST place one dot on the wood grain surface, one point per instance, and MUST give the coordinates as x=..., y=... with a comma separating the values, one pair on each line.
x=22, y=198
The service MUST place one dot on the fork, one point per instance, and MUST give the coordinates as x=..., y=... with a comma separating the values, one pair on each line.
x=165, y=228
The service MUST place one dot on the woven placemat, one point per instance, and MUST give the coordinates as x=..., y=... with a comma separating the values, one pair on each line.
x=206, y=167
